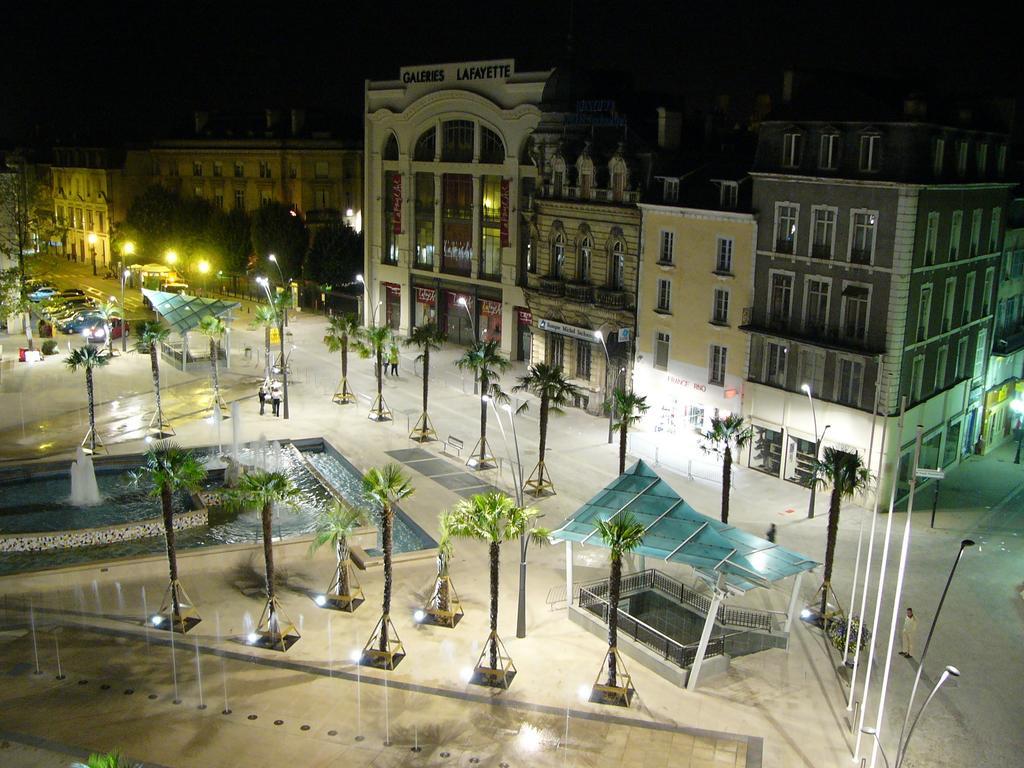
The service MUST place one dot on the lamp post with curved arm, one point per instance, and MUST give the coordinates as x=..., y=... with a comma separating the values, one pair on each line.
x=817, y=445
x=599, y=335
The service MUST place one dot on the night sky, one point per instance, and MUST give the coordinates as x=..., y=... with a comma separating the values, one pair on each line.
x=80, y=72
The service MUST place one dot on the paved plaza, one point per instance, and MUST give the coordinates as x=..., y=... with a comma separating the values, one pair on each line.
x=774, y=708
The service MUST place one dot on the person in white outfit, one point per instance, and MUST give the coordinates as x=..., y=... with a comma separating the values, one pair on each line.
x=909, y=631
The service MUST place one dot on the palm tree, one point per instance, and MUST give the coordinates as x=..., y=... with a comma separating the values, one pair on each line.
x=342, y=331
x=621, y=534
x=334, y=527
x=262, y=490
x=494, y=518
x=108, y=310
x=427, y=337
x=150, y=336
x=105, y=760
x=444, y=602
x=547, y=382
x=265, y=317
x=848, y=475
x=485, y=360
x=726, y=432
x=629, y=408
x=371, y=343
x=213, y=328
x=88, y=358
x=171, y=468
x=386, y=486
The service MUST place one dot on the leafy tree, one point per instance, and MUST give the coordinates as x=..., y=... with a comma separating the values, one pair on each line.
x=88, y=358
x=105, y=760
x=276, y=228
x=386, y=486
x=441, y=598
x=548, y=382
x=333, y=527
x=621, y=534
x=848, y=475
x=213, y=328
x=726, y=432
x=494, y=518
x=171, y=469
x=485, y=360
x=233, y=238
x=150, y=336
x=372, y=342
x=426, y=337
x=265, y=317
x=342, y=330
x=152, y=222
x=108, y=310
x=336, y=255
x=629, y=408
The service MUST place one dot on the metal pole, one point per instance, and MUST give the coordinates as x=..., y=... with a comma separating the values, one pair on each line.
x=92, y=248
x=817, y=449
x=1020, y=439
x=900, y=755
x=608, y=393
x=284, y=364
x=935, y=503
x=124, y=315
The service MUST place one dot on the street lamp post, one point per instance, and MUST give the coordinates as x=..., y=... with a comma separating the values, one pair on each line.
x=1017, y=406
x=92, y=248
x=599, y=335
x=284, y=287
x=817, y=445
x=461, y=301
x=948, y=672
x=262, y=281
x=126, y=250
x=204, y=268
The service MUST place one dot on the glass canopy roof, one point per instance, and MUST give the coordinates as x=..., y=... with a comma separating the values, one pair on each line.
x=184, y=313
x=676, y=532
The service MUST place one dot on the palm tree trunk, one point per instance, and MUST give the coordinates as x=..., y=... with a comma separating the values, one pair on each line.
x=380, y=376
x=266, y=513
x=216, y=374
x=544, y=406
x=726, y=482
x=483, y=418
x=442, y=583
x=614, y=589
x=167, y=507
x=90, y=394
x=426, y=376
x=830, y=545
x=386, y=520
x=622, y=445
x=154, y=365
x=344, y=358
x=342, y=566
x=495, y=561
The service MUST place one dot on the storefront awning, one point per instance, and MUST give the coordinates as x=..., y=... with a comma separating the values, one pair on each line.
x=676, y=532
x=184, y=313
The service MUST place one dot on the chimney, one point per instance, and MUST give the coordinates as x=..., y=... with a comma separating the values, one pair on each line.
x=788, y=85
x=201, y=119
x=273, y=118
x=670, y=127
x=915, y=107
x=298, y=121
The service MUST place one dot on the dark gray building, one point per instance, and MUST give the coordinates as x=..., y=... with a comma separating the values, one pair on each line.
x=877, y=249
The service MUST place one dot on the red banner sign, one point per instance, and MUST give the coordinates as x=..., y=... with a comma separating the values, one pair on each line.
x=492, y=308
x=393, y=289
x=396, y=203
x=504, y=212
x=525, y=317
x=426, y=295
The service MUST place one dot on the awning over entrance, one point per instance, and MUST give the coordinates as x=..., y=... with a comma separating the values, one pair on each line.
x=184, y=313
x=676, y=532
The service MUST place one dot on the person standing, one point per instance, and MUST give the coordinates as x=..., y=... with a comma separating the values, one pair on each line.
x=275, y=398
x=770, y=534
x=393, y=359
x=909, y=631
x=263, y=396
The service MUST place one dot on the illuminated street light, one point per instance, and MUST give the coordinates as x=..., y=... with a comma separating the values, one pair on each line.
x=817, y=444
x=1017, y=406
x=171, y=257
x=92, y=247
x=599, y=335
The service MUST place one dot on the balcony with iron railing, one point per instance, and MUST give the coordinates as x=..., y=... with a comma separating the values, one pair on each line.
x=848, y=337
x=821, y=251
x=860, y=255
x=597, y=195
x=610, y=298
x=581, y=293
x=551, y=286
x=784, y=245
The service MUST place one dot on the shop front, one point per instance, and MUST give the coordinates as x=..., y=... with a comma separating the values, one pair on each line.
x=392, y=305
x=524, y=334
x=1000, y=422
x=425, y=309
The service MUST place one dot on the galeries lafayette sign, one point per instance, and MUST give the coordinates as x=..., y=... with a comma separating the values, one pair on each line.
x=501, y=69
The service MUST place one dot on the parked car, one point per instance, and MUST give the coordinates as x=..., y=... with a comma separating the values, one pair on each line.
x=65, y=310
x=78, y=321
x=69, y=293
x=95, y=330
x=42, y=292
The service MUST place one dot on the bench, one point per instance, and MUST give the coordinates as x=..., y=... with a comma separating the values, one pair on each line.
x=453, y=442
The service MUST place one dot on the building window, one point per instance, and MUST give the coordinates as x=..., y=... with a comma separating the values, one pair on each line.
x=980, y=353
x=1001, y=161
x=917, y=379
x=716, y=368
x=240, y=199
x=993, y=230
x=583, y=349
x=781, y=298
x=986, y=295
x=586, y=250
x=828, y=152
x=775, y=364
x=975, y=232
x=720, y=307
x=791, y=147
x=968, y=303
x=664, y=295
x=955, y=232
x=816, y=310
x=218, y=199
x=661, y=345
x=671, y=190
x=556, y=350
x=197, y=169
x=424, y=206
x=961, y=158
x=855, y=312
x=961, y=359
x=492, y=148
x=870, y=153
x=457, y=223
x=321, y=199
x=265, y=170
x=321, y=169
x=850, y=381
x=239, y=170
x=812, y=368
x=931, y=238
x=618, y=276
x=424, y=150
x=823, y=227
x=941, y=360
x=665, y=252
x=723, y=258
x=729, y=195
x=558, y=256
x=218, y=169
x=862, y=237
x=924, y=311
x=197, y=191
x=786, y=216
x=458, y=141
x=947, y=304
x=939, y=157
x=982, y=159
x=265, y=197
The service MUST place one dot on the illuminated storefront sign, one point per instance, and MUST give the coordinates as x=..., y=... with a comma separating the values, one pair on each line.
x=443, y=73
x=504, y=213
x=563, y=329
x=396, y=203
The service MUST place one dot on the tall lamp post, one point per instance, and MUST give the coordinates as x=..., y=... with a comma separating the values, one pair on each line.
x=1017, y=405
x=599, y=335
x=265, y=283
x=204, y=267
x=284, y=285
x=126, y=250
x=92, y=249
x=817, y=444
x=461, y=301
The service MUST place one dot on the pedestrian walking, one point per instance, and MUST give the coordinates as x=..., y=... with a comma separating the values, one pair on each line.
x=263, y=396
x=393, y=359
x=909, y=631
x=275, y=398
x=770, y=534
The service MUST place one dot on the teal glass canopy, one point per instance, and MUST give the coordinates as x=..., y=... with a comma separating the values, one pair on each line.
x=676, y=532
x=184, y=313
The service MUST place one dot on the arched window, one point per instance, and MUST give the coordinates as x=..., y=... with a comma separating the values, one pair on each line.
x=619, y=178
x=617, y=276
x=425, y=145
x=391, y=148
x=492, y=148
x=558, y=255
x=458, y=141
x=557, y=175
x=586, y=249
x=585, y=175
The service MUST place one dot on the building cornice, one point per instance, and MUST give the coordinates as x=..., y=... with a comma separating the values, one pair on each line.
x=698, y=213
x=831, y=181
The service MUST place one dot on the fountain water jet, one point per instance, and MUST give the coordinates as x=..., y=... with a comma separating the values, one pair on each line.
x=84, y=490
x=199, y=676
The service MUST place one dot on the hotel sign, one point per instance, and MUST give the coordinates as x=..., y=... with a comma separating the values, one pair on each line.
x=583, y=334
x=501, y=69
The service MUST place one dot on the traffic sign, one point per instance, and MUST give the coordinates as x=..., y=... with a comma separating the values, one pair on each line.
x=931, y=474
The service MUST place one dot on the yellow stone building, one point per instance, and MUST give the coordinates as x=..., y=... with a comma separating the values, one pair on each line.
x=695, y=285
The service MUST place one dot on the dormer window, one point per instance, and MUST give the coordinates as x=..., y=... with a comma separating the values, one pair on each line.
x=728, y=195
x=557, y=176
x=1001, y=160
x=961, y=157
x=982, y=159
x=671, y=190
x=870, y=152
x=828, y=152
x=585, y=173
x=792, y=146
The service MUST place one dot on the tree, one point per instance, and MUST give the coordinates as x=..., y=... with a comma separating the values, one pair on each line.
x=233, y=240
x=386, y=486
x=275, y=228
x=441, y=598
x=152, y=222
x=371, y=343
x=108, y=310
x=726, y=432
x=333, y=527
x=547, y=382
x=336, y=255
x=342, y=330
x=213, y=328
x=485, y=360
x=171, y=468
x=150, y=336
x=265, y=317
x=88, y=358
x=426, y=337
x=629, y=408
x=105, y=760
x=622, y=534
x=848, y=475
x=262, y=490
x=494, y=518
